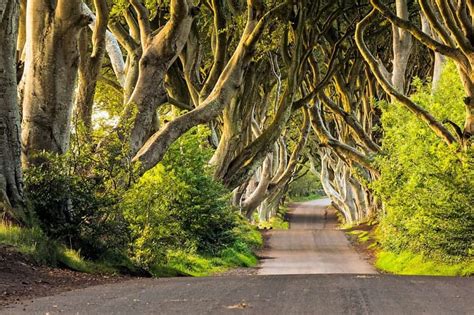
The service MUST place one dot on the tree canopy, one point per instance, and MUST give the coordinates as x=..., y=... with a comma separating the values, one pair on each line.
x=166, y=122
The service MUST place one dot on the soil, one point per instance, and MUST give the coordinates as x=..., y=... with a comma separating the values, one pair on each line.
x=22, y=279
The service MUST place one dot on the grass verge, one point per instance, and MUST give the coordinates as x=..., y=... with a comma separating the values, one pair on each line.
x=278, y=222
x=240, y=254
x=407, y=263
x=33, y=243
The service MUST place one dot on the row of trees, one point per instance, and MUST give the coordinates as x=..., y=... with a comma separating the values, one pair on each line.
x=284, y=87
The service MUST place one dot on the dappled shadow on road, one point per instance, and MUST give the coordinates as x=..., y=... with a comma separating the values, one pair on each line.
x=312, y=245
x=324, y=218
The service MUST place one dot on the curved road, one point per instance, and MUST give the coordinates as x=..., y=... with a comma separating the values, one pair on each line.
x=312, y=245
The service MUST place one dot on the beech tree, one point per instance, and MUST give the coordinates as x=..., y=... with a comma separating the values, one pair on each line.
x=11, y=183
x=225, y=88
x=280, y=85
x=454, y=25
x=90, y=63
x=50, y=75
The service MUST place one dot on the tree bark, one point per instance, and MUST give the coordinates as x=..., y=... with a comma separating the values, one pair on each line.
x=456, y=31
x=225, y=89
x=11, y=184
x=51, y=64
x=160, y=51
x=90, y=65
x=375, y=66
x=402, y=44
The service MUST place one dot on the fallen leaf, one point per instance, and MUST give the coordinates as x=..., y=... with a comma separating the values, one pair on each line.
x=241, y=305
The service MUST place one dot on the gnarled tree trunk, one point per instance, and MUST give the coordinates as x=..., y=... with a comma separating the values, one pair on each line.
x=11, y=193
x=51, y=64
x=402, y=44
x=90, y=64
x=160, y=51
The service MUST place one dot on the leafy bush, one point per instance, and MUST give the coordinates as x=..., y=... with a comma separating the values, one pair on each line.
x=75, y=207
x=33, y=243
x=427, y=186
x=178, y=206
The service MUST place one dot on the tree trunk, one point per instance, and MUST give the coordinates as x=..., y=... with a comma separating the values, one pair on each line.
x=90, y=65
x=402, y=43
x=224, y=91
x=160, y=51
x=260, y=192
x=468, y=82
x=11, y=191
x=51, y=64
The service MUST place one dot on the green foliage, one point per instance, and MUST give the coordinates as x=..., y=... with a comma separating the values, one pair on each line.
x=175, y=220
x=277, y=222
x=426, y=186
x=36, y=245
x=180, y=262
x=74, y=206
x=178, y=207
x=408, y=263
x=30, y=241
x=307, y=186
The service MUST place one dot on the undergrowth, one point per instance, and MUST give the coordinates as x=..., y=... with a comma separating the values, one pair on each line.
x=277, y=222
x=34, y=244
x=239, y=254
x=408, y=263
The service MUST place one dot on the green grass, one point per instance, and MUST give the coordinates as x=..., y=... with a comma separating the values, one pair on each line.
x=305, y=198
x=362, y=236
x=276, y=223
x=407, y=263
x=33, y=243
x=240, y=254
x=181, y=263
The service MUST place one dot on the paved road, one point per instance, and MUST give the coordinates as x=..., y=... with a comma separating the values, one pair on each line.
x=284, y=294
x=312, y=245
x=276, y=294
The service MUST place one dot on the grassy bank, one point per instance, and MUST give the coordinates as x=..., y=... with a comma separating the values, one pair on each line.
x=33, y=243
x=240, y=254
x=405, y=262
x=277, y=222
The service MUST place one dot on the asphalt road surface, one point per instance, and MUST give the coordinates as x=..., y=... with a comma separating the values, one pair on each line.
x=281, y=294
x=312, y=245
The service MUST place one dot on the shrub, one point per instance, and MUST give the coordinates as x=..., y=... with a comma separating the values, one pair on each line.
x=178, y=206
x=73, y=207
x=427, y=186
